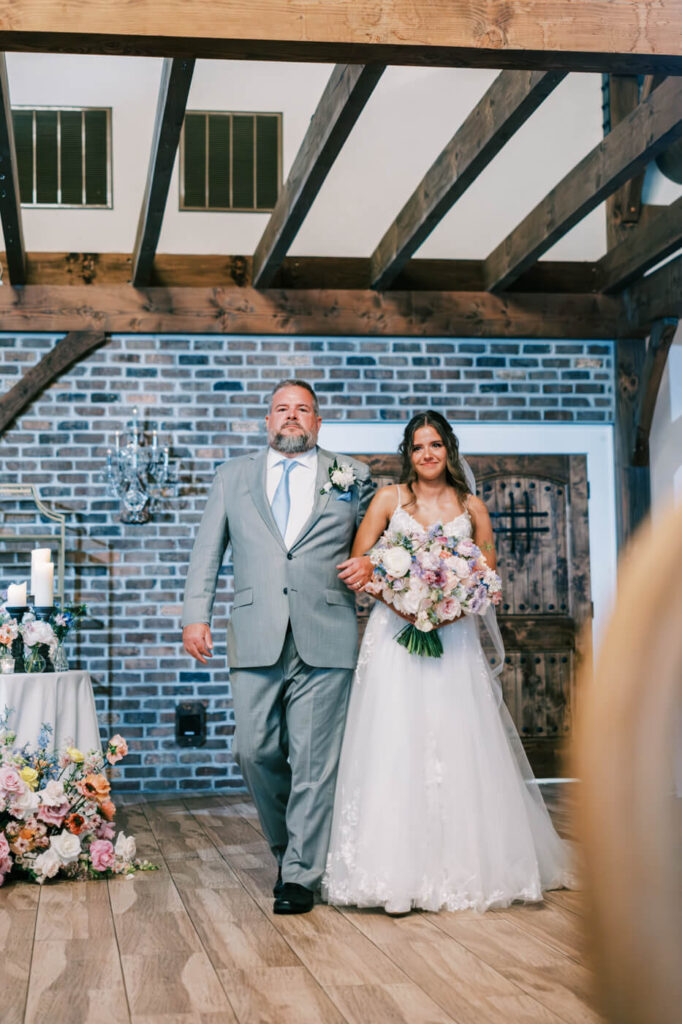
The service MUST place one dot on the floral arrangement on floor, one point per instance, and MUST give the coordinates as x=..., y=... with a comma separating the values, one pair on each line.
x=56, y=812
x=42, y=639
x=433, y=575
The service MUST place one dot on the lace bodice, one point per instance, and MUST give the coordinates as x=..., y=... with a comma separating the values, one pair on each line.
x=464, y=518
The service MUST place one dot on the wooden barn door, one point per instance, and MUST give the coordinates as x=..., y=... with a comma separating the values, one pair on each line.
x=538, y=505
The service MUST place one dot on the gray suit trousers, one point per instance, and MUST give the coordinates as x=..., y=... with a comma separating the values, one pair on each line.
x=289, y=726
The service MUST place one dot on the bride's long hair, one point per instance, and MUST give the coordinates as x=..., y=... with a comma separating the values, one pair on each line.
x=453, y=469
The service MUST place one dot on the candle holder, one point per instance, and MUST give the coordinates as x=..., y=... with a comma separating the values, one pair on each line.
x=17, y=649
x=43, y=611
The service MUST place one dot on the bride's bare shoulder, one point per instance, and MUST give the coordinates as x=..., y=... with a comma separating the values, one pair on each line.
x=475, y=506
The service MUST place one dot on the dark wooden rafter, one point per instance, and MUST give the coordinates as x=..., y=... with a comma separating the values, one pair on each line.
x=176, y=78
x=506, y=105
x=537, y=35
x=624, y=206
x=10, y=203
x=322, y=312
x=67, y=351
x=623, y=153
x=660, y=340
x=343, y=100
x=651, y=241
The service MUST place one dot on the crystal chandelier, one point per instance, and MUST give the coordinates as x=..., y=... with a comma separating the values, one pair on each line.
x=138, y=473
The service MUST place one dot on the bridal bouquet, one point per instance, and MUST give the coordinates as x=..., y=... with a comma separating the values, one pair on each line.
x=56, y=813
x=433, y=575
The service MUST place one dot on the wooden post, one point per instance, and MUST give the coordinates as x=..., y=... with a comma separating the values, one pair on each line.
x=10, y=206
x=660, y=340
x=633, y=485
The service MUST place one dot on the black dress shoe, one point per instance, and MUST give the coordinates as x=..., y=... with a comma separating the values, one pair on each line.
x=277, y=887
x=293, y=899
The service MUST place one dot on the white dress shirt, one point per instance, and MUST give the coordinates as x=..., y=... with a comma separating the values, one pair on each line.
x=301, y=488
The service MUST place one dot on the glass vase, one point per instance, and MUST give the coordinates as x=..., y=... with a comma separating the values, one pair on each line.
x=35, y=661
x=6, y=663
x=60, y=660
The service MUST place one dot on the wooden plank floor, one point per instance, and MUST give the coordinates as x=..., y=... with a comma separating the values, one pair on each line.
x=196, y=942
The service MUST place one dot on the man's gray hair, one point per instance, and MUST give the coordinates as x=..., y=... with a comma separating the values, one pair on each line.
x=294, y=382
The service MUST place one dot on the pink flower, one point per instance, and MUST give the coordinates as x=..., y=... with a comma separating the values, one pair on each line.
x=10, y=780
x=116, y=749
x=105, y=830
x=102, y=855
x=450, y=608
x=4, y=847
x=53, y=815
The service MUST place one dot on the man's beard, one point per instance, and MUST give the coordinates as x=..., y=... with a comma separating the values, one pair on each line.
x=292, y=444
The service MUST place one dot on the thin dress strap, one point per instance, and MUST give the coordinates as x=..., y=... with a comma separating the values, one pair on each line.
x=399, y=505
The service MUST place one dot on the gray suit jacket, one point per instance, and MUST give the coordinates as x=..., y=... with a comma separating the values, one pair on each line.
x=273, y=586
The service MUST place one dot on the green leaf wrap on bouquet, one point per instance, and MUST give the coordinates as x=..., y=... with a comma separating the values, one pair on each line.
x=417, y=641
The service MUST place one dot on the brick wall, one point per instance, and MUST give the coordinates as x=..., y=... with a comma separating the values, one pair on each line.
x=207, y=396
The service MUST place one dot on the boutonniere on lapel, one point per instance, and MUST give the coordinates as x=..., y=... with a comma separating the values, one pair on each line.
x=341, y=479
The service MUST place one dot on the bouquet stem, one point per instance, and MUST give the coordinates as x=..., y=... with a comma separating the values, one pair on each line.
x=427, y=645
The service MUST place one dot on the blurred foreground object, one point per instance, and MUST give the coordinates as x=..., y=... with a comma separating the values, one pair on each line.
x=627, y=754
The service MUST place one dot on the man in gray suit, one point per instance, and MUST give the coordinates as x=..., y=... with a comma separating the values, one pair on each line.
x=292, y=637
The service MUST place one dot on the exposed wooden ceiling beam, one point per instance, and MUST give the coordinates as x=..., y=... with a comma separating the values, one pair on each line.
x=338, y=272
x=660, y=340
x=64, y=354
x=655, y=297
x=10, y=203
x=631, y=36
x=311, y=312
x=176, y=78
x=649, y=243
x=343, y=100
x=506, y=105
x=627, y=149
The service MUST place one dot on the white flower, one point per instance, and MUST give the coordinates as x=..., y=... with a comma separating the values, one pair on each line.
x=343, y=476
x=52, y=795
x=25, y=804
x=125, y=846
x=396, y=561
x=47, y=863
x=410, y=600
x=37, y=632
x=459, y=566
x=66, y=846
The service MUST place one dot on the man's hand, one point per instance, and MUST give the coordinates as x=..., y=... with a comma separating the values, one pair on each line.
x=196, y=639
x=356, y=572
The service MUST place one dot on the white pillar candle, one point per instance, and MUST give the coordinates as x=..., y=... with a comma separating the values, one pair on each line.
x=16, y=595
x=43, y=584
x=39, y=556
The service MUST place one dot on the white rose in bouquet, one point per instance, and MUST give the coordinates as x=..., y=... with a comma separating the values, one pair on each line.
x=460, y=566
x=396, y=561
x=25, y=804
x=66, y=846
x=52, y=794
x=47, y=864
x=125, y=846
x=410, y=600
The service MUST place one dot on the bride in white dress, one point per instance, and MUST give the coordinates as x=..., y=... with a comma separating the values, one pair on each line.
x=436, y=805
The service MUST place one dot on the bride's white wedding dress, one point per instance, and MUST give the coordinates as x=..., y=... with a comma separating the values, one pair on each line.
x=436, y=805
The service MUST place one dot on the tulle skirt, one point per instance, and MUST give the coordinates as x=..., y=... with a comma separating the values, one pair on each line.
x=436, y=805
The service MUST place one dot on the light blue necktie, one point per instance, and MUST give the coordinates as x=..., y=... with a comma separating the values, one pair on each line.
x=281, y=501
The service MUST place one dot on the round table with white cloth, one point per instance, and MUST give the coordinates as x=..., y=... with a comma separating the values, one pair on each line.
x=63, y=700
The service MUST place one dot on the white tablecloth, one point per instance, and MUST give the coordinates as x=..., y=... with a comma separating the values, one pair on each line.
x=63, y=699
